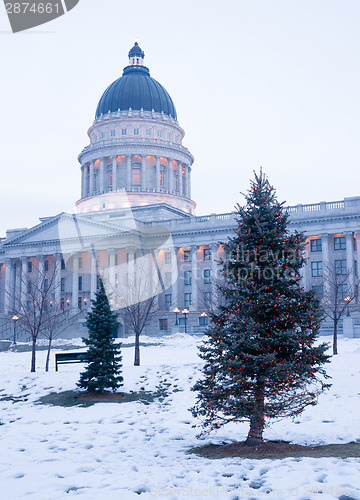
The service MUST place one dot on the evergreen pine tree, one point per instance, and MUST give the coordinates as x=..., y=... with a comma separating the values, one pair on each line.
x=260, y=356
x=102, y=357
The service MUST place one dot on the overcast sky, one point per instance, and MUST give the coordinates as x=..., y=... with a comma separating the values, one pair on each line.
x=271, y=83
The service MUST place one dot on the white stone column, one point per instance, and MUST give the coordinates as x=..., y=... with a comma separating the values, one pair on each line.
x=41, y=273
x=186, y=182
x=143, y=173
x=84, y=178
x=325, y=261
x=91, y=180
x=128, y=173
x=215, y=268
x=180, y=178
x=57, y=281
x=9, y=292
x=75, y=281
x=157, y=173
x=114, y=173
x=101, y=175
x=171, y=175
x=23, y=283
x=93, y=276
x=189, y=181
x=112, y=253
x=350, y=259
x=194, y=277
x=131, y=281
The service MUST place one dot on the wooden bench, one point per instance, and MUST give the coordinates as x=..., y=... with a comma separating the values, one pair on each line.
x=67, y=357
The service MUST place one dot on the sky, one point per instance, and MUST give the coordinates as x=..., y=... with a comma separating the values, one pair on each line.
x=255, y=83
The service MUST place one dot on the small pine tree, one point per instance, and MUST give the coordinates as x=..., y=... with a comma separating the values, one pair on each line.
x=102, y=357
x=260, y=357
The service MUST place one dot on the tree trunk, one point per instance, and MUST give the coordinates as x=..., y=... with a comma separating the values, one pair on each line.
x=335, y=349
x=137, y=350
x=48, y=357
x=33, y=354
x=257, y=419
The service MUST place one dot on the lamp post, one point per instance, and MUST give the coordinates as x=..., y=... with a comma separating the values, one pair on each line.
x=185, y=313
x=347, y=300
x=15, y=318
x=204, y=315
x=176, y=311
x=85, y=302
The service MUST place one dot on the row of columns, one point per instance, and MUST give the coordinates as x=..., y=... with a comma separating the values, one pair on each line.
x=183, y=188
x=16, y=276
x=351, y=257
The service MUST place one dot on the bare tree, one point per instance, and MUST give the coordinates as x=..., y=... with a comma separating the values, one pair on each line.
x=32, y=306
x=136, y=296
x=56, y=321
x=337, y=294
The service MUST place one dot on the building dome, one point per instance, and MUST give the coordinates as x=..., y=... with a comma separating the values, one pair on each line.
x=136, y=90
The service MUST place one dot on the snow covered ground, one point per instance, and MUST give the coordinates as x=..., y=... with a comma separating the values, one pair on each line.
x=115, y=451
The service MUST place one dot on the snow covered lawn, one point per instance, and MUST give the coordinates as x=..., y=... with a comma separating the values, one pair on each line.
x=134, y=450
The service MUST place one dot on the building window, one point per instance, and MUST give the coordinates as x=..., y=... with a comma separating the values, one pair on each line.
x=110, y=178
x=28, y=305
x=46, y=265
x=187, y=277
x=187, y=256
x=102, y=135
x=203, y=321
x=207, y=276
x=46, y=285
x=112, y=133
x=80, y=263
x=355, y=268
x=318, y=291
x=161, y=178
x=163, y=324
x=207, y=298
x=159, y=133
x=80, y=303
x=207, y=254
x=167, y=257
x=187, y=299
x=316, y=245
x=136, y=177
x=136, y=131
x=343, y=291
x=316, y=269
x=148, y=131
x=168, y=300
x=340, y=267
x=62, y=303
x=29, y=287
x=29, y=267
x=123, y=131
x=340, y=243
x=168, y=277
x=80, y=283
x=169, y=137
x=62, y=285
x=62, y=264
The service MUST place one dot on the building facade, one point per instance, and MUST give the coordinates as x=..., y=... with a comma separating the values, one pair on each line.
x=136, y=225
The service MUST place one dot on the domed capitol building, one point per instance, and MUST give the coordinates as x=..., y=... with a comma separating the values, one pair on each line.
x=136, y=226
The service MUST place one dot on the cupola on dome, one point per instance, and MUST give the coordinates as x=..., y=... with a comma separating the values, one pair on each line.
x=136, y=90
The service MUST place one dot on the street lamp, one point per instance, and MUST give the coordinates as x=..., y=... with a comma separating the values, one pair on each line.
x=15, y=318
x=85, y=302
x=185, y=312
x=204, y=315
x=176, y=311
x=347, y=300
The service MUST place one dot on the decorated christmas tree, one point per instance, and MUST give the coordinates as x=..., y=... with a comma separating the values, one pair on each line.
x=261, y=361
x=103, y=355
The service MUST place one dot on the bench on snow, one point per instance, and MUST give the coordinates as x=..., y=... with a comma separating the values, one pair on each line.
x=67, y=357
